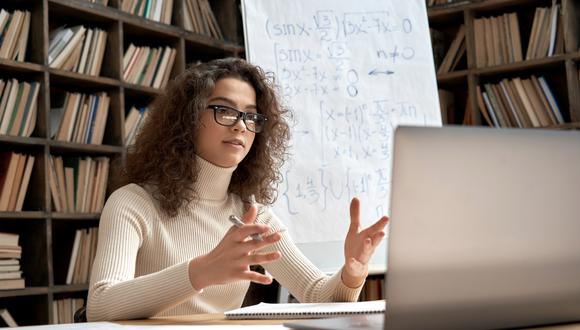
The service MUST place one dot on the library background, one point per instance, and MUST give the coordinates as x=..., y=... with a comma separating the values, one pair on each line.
x=76, y=77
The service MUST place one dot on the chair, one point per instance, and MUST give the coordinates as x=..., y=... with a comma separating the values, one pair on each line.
x=80, y=315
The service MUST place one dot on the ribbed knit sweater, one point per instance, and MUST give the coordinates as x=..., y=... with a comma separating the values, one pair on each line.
x=141, y=264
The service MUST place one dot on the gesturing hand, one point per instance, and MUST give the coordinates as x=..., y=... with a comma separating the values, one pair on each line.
x=230, y=260
x=359, y=246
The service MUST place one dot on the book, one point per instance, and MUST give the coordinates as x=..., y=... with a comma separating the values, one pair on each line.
x=305, y=311
x=7, y=317
x=9, y=268
x=78, y=34
x=11, y=34
x=12, y=164
x=9, y=262
x=25, y=182
x=20, y=51
x=16, y=182
x=73, y=257
x=570, y=25
x=9, y=239
x=455, y=52
x=10, y=284
x=10, y=275
x=30, y=111
x=551, y=100
x=58, y=40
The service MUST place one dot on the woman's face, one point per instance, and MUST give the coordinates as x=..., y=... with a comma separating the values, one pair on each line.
x=226, y=146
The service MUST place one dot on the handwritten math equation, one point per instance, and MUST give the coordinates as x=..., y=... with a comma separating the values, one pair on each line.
x=327, y=25
x=360, y=132
x=323, y=190
x=340, y=40
x=340, y=71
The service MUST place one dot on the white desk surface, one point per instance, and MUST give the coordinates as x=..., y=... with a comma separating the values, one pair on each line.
x=204, y=321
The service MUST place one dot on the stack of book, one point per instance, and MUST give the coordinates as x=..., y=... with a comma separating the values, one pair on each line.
x=497, y=40
x=77, y=49
x=547, y=37
x=14, y=34
x=10, y=253
x=455, y=52
x=18, y=107
x=132, y=123
x=148, y=66
x=156, y=10
x=82, y=256
x=78, y=184
x=81, y=119
x=519, y=103
x=63, y=310
x=15, y=172
x=199, y=18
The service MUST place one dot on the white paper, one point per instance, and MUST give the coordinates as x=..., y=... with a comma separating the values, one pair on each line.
x=307, y=310
x=351, y=71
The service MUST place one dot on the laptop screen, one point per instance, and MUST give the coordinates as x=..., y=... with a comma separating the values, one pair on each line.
x=485, y=228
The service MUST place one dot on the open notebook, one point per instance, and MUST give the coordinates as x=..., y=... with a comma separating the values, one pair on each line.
x=306, y=311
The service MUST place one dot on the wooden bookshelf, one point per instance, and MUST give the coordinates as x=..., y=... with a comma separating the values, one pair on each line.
x=47, y=236
x=561, y=71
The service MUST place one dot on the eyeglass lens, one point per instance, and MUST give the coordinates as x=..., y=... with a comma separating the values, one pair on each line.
x=228, y=117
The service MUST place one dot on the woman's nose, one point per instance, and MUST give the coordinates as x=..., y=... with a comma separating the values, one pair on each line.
x=240, y=125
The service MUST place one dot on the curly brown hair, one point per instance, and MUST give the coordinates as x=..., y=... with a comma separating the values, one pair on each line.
x=164, y=152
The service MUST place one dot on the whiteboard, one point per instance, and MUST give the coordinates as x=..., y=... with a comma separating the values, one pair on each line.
x=351, y=72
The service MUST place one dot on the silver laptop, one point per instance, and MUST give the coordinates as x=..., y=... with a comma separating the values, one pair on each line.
x=484, y=233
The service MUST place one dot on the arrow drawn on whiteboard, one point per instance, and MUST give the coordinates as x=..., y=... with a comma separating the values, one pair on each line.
x=376, y=72
x=304, y=132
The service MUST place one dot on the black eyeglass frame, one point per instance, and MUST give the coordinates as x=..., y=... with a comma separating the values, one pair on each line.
x=240, y=115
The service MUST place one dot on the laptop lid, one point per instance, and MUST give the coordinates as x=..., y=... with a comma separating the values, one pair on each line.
x=485, y=228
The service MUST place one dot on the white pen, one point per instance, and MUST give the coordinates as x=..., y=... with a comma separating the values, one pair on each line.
x=239, y=223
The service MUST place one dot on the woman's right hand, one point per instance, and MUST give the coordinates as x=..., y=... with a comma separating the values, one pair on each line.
x=231, y=259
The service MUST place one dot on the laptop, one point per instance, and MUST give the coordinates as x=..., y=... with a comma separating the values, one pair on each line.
x=484, y=232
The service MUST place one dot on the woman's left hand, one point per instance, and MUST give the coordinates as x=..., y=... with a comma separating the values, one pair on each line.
x=359, y=246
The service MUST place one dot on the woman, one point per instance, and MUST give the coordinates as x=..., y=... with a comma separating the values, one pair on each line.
x=215, y=138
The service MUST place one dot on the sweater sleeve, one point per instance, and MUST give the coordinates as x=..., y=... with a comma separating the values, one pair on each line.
x=300, y=276
x=114, y=291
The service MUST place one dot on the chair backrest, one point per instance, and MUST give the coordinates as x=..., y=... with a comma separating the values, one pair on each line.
x=80, y=315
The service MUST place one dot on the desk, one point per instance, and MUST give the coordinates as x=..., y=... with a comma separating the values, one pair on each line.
x=202, y=319
x=207, y=321
x=218, y=319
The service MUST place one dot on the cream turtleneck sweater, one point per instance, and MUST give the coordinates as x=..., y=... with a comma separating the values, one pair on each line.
x=141, y=265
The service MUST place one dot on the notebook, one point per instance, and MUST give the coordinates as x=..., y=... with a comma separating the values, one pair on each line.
x=484, y=231
x=305, y=311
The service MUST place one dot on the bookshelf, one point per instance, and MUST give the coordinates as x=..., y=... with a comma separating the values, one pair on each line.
x=560, y=70
x=47, y=236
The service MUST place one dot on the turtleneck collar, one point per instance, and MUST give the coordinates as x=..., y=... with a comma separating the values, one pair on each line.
x=212, y=181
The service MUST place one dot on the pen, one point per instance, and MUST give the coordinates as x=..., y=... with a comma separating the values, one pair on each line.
x=238, y=223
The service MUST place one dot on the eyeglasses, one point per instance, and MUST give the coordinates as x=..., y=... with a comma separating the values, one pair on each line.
x=227, y=116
